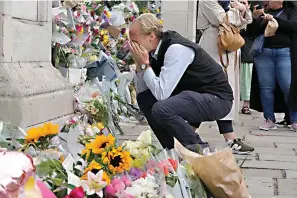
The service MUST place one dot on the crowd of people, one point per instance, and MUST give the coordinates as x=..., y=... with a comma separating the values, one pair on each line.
x=181, y=84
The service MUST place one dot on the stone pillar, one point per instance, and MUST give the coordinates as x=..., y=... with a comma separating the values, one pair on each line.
x=32, y=91
x=180, y=16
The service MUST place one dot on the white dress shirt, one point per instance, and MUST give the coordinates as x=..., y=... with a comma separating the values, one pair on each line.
x=176, y=61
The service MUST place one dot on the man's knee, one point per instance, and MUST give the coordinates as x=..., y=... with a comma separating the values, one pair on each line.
x=160, y=111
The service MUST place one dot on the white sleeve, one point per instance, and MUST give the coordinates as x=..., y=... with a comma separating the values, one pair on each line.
x=176, y=61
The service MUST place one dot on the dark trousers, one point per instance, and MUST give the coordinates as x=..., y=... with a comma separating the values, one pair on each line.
x=167, y=118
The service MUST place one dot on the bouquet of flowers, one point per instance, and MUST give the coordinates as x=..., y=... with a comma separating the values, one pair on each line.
x=97, y=109
x=141, y=149
x=39, y=137
x=103, y=154
x=137, y=184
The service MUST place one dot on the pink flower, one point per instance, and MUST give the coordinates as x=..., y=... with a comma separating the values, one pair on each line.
x=110, y=190
x=77, y=192
x=127, y=181
x=118, y=185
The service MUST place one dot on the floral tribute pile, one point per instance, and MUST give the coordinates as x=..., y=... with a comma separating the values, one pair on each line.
x=90, y=40
x=84, y=160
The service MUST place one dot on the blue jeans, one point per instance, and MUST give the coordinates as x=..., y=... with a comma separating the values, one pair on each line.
x=274, y=65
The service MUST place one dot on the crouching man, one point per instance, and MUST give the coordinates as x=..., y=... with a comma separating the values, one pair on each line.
x=179, y=85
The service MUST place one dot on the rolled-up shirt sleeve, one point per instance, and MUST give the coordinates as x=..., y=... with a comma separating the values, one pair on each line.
x=176, y=61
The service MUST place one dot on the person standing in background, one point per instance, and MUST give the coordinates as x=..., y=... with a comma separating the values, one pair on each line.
x=276, y=64
x=211, y=14
x=246, y=70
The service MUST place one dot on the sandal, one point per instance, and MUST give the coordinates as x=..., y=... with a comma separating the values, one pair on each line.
x=246, y=110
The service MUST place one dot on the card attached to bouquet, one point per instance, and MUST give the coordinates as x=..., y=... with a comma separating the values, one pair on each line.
x=68, y=163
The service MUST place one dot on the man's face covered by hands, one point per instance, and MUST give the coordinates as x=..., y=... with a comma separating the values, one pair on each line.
x=137, y=37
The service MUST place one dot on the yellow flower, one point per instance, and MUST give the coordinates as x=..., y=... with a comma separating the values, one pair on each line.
x=104, y=32
x=100, y=143
x=161, y=21
x=94, y=167
x=106, y=178
x=100, y=125
x=50, y=129
x=33, y=135
x=62, y=158
x=140, y=162
x=105, y=40
x=117, y=160
x=158, y=10
x=93, y=58
x=87, y=152
x=108, y=14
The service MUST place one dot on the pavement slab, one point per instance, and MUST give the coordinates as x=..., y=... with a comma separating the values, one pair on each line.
x=270, y=172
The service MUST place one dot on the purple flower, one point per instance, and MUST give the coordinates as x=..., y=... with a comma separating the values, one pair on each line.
x=135, y=173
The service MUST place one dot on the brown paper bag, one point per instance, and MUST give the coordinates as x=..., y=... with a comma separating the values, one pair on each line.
x=219, y=172
x=271, y=28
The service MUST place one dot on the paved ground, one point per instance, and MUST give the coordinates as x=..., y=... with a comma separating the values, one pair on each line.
x=271, y=171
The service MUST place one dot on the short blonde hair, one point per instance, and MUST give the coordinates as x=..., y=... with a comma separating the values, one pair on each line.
x=150, y=23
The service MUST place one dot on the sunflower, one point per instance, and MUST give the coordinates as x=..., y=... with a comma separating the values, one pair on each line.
x=100, y=143
x=33, y=135
x=94, y=167
x=50, y=129
x=117, y=160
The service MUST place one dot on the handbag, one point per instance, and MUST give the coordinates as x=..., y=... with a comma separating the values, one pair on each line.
x=258, y=44
x=229, y=40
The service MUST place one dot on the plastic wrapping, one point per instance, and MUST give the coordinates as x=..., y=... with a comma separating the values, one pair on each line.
x=16, y=169
x=76, y=62
x=125, y=79
x=117, y=18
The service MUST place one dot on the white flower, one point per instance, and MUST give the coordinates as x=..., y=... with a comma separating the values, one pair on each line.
x=94, y=184
x=94, y=111
x=95, y=130
x=80, y=129
x=145, y=138
x=75, y=119
x=144, y=187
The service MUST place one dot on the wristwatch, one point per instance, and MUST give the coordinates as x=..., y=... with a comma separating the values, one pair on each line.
x=144, y=66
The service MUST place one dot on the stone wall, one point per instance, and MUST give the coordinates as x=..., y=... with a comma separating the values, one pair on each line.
x=180, y=16
x=32, y=91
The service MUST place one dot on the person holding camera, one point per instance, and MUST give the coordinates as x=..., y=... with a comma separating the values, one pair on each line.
x=276, y=64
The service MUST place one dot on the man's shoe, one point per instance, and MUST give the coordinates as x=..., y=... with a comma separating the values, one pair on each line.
x=268, y=125
x=239, y=147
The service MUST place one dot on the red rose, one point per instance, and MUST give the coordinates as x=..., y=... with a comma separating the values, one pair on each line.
x=173, y=163
x=77, y=192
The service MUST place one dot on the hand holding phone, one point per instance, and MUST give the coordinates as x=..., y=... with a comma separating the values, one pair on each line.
x=257, y=12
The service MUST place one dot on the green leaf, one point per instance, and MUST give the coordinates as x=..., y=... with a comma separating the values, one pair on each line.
x=61, y=193
x=71, y=186
x=43, y=169
x=57, y=181
x=55, y=164
x=21, y=141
